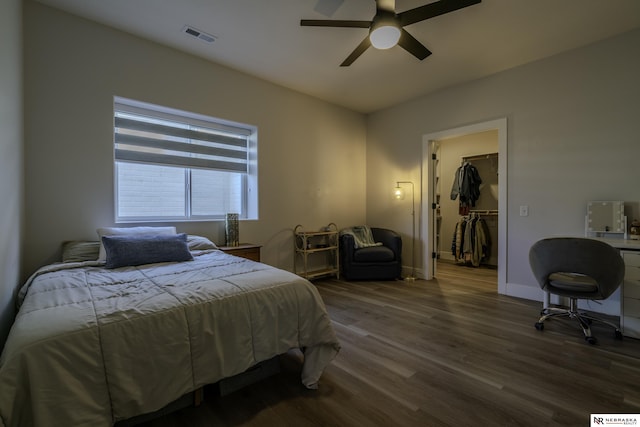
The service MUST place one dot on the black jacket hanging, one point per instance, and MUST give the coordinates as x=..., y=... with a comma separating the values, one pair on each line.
x=466, y=185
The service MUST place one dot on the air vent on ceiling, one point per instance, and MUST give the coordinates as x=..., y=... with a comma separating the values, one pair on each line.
x=198, y=34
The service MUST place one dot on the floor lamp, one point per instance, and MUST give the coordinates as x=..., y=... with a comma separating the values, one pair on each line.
x=399, y=194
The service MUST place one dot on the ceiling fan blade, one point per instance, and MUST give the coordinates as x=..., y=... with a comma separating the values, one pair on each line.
x=433, y=9
x=334, y=23
x=364, y=45
x=328, y=7
x=413, y=46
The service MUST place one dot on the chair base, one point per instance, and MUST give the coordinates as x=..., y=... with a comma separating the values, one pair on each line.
x=583, y=319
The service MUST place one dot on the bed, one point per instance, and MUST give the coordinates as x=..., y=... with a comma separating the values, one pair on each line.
x=94, y=344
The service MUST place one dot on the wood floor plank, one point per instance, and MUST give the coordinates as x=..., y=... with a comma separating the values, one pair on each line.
x=445, y=352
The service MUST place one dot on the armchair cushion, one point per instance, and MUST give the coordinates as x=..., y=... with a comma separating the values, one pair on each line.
x=373, y=254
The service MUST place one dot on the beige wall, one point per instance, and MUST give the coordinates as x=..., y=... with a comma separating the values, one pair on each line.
x=311, y=153
x=10, y=158
x=572, y=137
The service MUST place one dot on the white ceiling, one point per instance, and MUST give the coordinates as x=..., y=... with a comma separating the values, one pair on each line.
x=263, y=38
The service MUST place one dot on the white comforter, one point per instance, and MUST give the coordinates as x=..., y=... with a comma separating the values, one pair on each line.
x=92, y=346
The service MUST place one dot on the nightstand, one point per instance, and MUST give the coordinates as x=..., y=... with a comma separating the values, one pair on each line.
x=243, y=250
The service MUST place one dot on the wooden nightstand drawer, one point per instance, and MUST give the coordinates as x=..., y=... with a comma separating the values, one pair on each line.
x=243, y=250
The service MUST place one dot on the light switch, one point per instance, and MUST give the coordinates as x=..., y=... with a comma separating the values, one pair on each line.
x=524, y=210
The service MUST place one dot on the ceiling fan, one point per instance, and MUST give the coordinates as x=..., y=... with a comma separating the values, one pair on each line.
x=386, y=29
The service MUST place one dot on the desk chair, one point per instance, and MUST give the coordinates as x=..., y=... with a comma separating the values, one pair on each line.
x=577, y=268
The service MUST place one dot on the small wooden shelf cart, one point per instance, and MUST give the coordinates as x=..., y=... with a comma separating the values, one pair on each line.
x=315, y=244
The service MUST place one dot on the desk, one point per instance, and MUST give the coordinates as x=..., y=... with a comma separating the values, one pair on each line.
x=622, y=244
x=630, y=289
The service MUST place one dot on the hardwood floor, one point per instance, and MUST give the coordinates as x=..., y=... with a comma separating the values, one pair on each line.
x=446, y=352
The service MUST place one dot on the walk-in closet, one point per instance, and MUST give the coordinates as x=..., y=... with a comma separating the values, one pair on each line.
x=467, y=200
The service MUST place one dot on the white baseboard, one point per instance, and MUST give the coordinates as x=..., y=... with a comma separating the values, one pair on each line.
x=406, y=271
x=447, y=256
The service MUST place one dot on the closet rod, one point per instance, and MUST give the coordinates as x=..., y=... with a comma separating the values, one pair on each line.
x=479, y=157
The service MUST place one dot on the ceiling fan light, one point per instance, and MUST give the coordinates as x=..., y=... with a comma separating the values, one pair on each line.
x=385, y=36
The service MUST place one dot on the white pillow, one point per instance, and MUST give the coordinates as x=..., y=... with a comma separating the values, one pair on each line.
x=117, y=231
x=199, y=243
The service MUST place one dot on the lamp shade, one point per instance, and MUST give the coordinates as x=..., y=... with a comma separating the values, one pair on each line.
x=384, y=36
x=398, y=192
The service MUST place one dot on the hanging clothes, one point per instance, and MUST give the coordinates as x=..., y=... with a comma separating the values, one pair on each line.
x=466, y=186
x=470, y=242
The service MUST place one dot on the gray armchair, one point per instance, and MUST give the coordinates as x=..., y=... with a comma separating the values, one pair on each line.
x=577, y=268
x=375, y=262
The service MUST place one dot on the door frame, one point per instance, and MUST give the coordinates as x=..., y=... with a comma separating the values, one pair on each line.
x=428, y=231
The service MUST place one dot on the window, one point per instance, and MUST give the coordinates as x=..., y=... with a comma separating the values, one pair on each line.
x=174, y=165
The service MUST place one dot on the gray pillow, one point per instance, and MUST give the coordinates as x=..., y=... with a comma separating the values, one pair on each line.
x=79, y=251
x=118, y=231
x=131, y=250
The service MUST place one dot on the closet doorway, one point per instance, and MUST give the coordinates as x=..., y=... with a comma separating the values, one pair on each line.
x=483, y=146
x=460, y=160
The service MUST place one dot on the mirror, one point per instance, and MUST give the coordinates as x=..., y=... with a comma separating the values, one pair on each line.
x=605, y=217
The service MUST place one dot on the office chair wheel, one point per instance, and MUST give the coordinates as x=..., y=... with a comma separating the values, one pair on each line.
x=618, y=335
x=591, y=340
x=539, y=326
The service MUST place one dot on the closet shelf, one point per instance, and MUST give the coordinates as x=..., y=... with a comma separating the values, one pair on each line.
x=484, y=211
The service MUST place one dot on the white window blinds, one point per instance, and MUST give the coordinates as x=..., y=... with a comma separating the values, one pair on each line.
x=176, y=165
x=142, y=139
